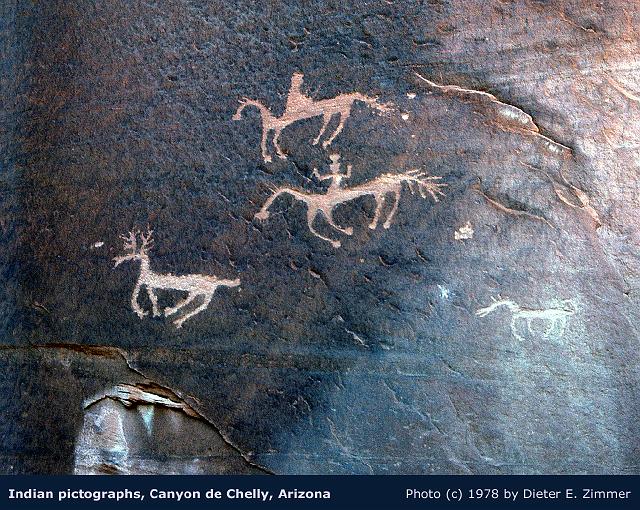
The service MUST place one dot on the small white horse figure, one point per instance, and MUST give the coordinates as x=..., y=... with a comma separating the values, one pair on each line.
x=555, y=317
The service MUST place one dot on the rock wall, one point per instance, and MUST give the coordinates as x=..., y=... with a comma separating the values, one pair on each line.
x=448, y=285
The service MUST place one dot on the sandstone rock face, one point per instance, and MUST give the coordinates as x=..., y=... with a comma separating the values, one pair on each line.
x=488, y=324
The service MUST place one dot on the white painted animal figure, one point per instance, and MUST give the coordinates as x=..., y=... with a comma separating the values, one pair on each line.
x=300, y=107
x=196, y=285
x=555, y=317
x=325, y=203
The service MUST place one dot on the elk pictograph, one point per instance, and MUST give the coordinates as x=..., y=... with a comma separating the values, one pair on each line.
x=299, y=107
x=323, y=204
x=196, y=285
x=555, y=319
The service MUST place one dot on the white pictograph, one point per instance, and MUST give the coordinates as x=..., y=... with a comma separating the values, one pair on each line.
x=325, y=203
x=196, y=285
x=299, y=107
x=555, y=319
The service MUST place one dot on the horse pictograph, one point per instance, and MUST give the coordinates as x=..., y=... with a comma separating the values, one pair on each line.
x=325, y=203
x=555, y=317
x=299, y=107
x=196, y=285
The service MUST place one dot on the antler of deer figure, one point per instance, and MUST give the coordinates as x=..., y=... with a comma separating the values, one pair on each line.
x=147, y=240
x=130, y=245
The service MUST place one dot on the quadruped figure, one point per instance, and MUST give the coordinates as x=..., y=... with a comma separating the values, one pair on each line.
x=196, y=285
x=299, y=106
x=554, y=319
x=323, y=204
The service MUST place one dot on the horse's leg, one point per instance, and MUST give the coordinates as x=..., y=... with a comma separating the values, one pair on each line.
x=548, y=329
x=170, y=311
x=276, y=143
x=198, y=309
x=326, y=118
x=134, y=301
x=394, y=209
x=557, y=325
x=311, y=216
x=514, y=329
x=154, y=301
x=530, y=325
x=343, y=118
x=329, y=216
x=263, y=143
x=376, y=215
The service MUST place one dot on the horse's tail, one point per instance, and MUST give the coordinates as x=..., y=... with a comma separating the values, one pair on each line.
x=244, y=102
x=263, y=214
x=423, y=183
x=495, y=303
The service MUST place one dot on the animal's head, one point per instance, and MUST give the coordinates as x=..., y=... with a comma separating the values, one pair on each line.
x=568, y=305
x=377, y=105
x=244, y=102
x=132, y=250
x=423, y=183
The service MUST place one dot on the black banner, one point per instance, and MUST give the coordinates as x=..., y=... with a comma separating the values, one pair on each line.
x=318, y=492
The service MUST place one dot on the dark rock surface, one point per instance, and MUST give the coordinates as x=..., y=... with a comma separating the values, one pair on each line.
x=368, y=358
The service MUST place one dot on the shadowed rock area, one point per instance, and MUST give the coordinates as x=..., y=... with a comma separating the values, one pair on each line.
x=487, y=329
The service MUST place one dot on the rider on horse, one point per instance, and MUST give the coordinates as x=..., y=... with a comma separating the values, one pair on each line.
x=336, y=177
x=296, y=99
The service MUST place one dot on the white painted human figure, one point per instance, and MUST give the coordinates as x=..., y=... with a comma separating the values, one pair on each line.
x=196, y=285
x=323, y=204
x=556, y=318
x=335, y=176
x=299, y=106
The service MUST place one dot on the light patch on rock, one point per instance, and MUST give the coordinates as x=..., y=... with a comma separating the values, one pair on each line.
x=97, y=244
x=147, y=411
x=102, y=439
x=464, y=232
x=444, y=292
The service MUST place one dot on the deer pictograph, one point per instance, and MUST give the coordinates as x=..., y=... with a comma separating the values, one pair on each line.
x=324, y=204
x=299, y=107
x=196, y=285
x=556, y=318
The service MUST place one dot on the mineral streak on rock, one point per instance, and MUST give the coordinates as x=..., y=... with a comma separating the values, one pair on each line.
x=509, y=116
